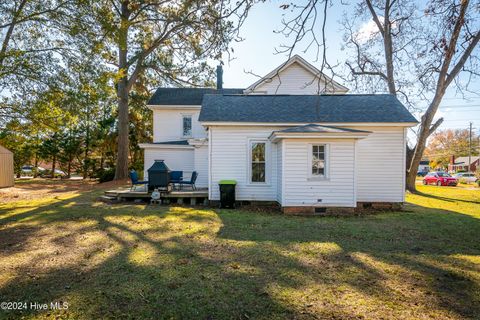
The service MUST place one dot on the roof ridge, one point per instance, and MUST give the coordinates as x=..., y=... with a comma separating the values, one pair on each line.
x=212, y=88
x=304, y=95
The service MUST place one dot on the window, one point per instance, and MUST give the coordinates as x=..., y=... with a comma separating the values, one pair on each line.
x=257, y=161
x=187, y=125
x=318, y=164
x=443, y=174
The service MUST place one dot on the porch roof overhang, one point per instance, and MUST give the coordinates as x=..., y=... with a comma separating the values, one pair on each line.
x=177, y=144
x=167, y=145
x=314, y=131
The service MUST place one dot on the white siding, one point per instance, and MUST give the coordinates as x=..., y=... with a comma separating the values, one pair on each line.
x=279, y=171
x=376, y=163
x=293, y=80
x=186, y=160
x=338, y=189
x=168, y=125
x=175, y=159
x=201, y=165
x=381, y=164
x=229, y=160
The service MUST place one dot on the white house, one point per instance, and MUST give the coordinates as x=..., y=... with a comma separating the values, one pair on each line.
x=295, y=137
x=424, y=166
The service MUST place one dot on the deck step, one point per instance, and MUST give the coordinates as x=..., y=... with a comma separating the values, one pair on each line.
x=107, y=199
x=111, y=193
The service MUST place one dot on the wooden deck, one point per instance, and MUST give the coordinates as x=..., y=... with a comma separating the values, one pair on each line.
x=178, y=196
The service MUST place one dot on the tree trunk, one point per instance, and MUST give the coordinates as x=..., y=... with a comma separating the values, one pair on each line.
x=9, y=32
x=87, y=146
x=388, y=46
x=54, y=159
x=35, y=171
x=69, y=167
x=424, y=133
x=102, y=160
x=121, y=170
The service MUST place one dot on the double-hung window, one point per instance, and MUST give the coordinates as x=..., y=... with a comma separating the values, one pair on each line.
x=318, y=161
x=258, y=157
x=187, y=125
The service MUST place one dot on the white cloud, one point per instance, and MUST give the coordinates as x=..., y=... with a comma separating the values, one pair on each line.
x=367, y=31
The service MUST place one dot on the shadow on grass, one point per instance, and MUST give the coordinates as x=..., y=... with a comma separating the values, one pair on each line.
x=421, y=242
x=135, y=261
x=448, y=199
x=104, y=280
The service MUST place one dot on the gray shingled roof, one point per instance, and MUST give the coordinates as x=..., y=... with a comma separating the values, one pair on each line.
x=315, y=128
x=185, y=96
x=304, y=108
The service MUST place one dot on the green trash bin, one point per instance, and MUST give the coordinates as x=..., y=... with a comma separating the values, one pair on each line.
x=227, y=193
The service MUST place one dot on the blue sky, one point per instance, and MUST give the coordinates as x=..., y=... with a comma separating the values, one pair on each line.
x=257, y=54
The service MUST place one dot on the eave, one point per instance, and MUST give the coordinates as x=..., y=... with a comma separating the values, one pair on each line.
x=294, y=124
x=173, y=107
x=276, y=136
x=164, y=146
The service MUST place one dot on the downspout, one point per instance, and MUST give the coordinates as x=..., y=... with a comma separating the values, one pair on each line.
x=209, y=163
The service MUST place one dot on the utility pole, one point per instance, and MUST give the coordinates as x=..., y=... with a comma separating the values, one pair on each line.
x=470, y=148
x=478, y=144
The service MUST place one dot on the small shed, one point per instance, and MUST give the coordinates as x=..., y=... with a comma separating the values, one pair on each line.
x=6, y=168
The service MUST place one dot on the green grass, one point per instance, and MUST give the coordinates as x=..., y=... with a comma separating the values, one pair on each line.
x=137, y=261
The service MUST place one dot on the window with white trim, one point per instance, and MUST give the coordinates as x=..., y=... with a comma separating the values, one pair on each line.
x=258, y=162
x=187, y=125
x=319, y=160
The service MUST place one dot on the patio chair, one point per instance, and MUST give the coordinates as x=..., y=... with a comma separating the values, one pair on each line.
x=135, y=182
x=191, y=182
x=176, y=177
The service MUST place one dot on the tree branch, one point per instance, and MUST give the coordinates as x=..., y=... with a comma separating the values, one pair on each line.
x=375, y=17
x=435, y=126
x=466, y=54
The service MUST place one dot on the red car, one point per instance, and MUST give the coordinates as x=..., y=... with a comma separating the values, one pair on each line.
x=440, y=179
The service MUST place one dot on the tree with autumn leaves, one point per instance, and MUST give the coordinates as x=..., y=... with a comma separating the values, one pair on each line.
x=105, y=55
x=450, y=142
x=169, y=40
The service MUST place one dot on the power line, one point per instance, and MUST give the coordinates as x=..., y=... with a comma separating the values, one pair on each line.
x=459, y=106
x=463, y=98
x=461, y=120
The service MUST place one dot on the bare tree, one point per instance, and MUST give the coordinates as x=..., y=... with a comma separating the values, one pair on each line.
x=299, y=26
x=424, y=51
x=405, y=50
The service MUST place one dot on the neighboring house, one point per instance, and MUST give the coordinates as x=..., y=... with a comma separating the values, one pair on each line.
x=424, y=166
x=294, y=137
x=470, y=164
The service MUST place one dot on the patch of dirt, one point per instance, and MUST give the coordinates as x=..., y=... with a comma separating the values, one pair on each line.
x=39, y=188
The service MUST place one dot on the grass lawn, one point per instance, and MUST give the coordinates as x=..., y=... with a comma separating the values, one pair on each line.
x=137, y=261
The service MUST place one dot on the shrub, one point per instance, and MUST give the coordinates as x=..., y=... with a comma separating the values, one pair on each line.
x=106, y=175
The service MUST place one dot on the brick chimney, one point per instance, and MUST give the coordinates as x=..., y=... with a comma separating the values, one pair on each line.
x=219, y=77
x=452, y=159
